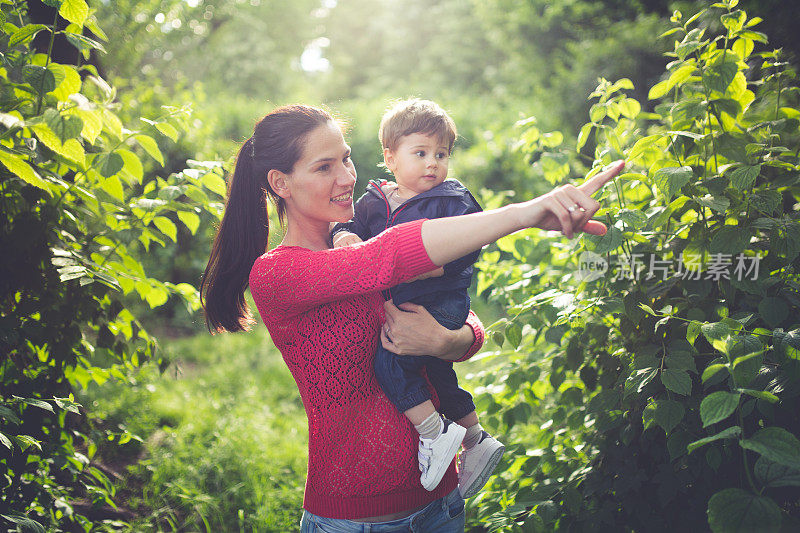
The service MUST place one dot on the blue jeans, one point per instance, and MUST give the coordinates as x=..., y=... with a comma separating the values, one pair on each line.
x=401, y=377
x=445, y=515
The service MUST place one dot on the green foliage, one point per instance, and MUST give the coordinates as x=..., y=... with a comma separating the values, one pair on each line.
x=661, y=394
x=78, y=211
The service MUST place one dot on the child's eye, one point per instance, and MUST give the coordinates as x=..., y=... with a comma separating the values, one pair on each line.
x=441, y=155
x=420, y=153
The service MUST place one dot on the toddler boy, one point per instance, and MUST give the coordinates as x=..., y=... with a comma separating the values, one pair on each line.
x=417, y=138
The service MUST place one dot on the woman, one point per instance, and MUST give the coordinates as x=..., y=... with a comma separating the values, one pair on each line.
x=323, y=309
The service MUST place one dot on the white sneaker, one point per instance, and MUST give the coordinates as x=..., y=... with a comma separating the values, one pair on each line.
x=477, y=464
x=436, y=454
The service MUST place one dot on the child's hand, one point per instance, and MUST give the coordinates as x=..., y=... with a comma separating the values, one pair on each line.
x=435, y=273
x=344, y=238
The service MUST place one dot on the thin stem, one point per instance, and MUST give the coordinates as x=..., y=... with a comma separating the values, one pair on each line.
x=47, y=63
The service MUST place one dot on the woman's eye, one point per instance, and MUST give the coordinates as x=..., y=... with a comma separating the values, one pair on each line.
x=323, y=168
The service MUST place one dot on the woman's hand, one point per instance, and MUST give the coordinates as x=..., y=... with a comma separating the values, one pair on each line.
x=411, y=330
x=569, y=208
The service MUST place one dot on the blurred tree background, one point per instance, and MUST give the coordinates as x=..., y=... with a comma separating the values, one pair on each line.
x=488, y=62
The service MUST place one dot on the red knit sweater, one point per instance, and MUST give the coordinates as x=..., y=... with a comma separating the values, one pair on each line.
x=323, y=310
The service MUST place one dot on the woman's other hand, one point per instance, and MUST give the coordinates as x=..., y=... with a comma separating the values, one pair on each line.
x=411, y=330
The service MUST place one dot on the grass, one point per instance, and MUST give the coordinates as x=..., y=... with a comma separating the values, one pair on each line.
x=224, y=437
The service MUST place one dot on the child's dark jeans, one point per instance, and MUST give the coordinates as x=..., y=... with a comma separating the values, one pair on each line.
x=401, y=377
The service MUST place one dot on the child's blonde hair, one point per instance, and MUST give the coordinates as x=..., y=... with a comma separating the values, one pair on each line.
x=416, y=116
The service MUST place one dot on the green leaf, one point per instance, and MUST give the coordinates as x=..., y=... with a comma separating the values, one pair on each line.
x=718, y=77
x=5, y=442
x=639, y=379
x=777, y=445
x=738, y=511
x=773, y=310
x=670, y=179
x=64, y=126
x=113, y=187
x=730, y=240
x=41, y=79
x=215, y=183
x=24, y=524
x=151, y=147
x=156, y=296
x=668, y=414
x=680, y=360
x=647, y=309
x=746, y=368
x=711, y=370
x=677, y=381
x=26, y=441
x=642, y=145
x=167, y=227
x=23, y=170
x=38, y=403
x=729, y=433
x=109, y=164
x=168, y=130
x=734, y=20
x=9, y=415
x=24, y=34
x=630, y=108
x=190, y=220
x=717, y=333
x=583, y=136
x=760, y=394
x=658, y=90
x=74, y=11
x=744, y=177
x=774, y=475
x=514, y=334
x=131, y=165
x=718, y=406
x=693, y=331
x=83, y=43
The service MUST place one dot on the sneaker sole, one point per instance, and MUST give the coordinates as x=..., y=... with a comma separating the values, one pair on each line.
x=485, y=474
x=451, y=452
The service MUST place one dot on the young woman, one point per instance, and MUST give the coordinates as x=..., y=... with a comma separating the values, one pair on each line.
x=323, y=309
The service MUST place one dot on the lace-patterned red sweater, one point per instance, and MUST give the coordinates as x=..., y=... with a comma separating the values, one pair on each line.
x=323, y=310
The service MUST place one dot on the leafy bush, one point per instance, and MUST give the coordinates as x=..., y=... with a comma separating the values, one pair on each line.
x=661, y=394
x=77, y=212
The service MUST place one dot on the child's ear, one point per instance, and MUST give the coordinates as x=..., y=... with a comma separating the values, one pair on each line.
x=388, y=159
x=278, y=182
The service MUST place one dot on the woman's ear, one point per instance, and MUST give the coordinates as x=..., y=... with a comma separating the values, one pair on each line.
x=278, y=182
x=388, y=159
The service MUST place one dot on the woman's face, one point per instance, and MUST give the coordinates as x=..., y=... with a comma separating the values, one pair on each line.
x=321, y=182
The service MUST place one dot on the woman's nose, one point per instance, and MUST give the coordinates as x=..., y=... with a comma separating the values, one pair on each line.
x=347, y=175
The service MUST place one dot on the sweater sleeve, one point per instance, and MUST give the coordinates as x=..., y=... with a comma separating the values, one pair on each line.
x=288, y=281
x=477, y=329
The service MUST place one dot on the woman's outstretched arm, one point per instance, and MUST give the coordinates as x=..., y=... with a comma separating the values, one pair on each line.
x=567, y=208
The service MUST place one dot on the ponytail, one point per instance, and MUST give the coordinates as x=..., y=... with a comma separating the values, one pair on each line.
x=277, y=143
x=240, y=240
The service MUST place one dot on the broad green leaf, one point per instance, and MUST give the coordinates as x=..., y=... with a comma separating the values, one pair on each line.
x=26, y=441
x=167, y=227
x=718, y=77
x=168, y=130
x=63, y=126
x=605, y=243
x=658, y=90
x=583, y=136
x=734, y=20
x=718, y=406
x=693, y=331
x=677, y=381
x=639, y=379
x=83, y=43
x=109, y=164
x=70, y=84
x=9, y=415
x=682, y=74
x=737, y=511
x=668, y=414
x=730, y=433
x=215, y=183
x=630, y=108
x=151, y=147
x=5, y=442
x=743, y=178
x=743, y=48
x=597, y=112
x=156, y=296
x=717, y=333
x=760, y=394
x=23, y=170
x=633, y=218
x=777, y=445
x=41, y=79
x=92, y=124
x=773, y=310
x=113, y=187
x=730, y=240
x=775, y=475
x=74, y=11
x=711, y=370
x=680, y=360
x=23, y=523
x=131, y=165
x=746, y=368
x=514, y=334
x=642, y=145
x=24, y=34
x=670, y=179
x=38, y=403
x=647, y=309
x=190, y=220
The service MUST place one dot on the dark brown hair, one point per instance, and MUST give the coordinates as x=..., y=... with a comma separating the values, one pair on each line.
x=416, y=116
x=277, y=143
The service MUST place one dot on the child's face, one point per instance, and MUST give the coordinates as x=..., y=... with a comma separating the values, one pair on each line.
x=419, y=163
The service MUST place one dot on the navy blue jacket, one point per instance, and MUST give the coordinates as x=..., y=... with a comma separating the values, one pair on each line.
x=373, y=215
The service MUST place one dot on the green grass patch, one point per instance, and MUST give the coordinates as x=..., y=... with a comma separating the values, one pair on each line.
x=224, y=437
